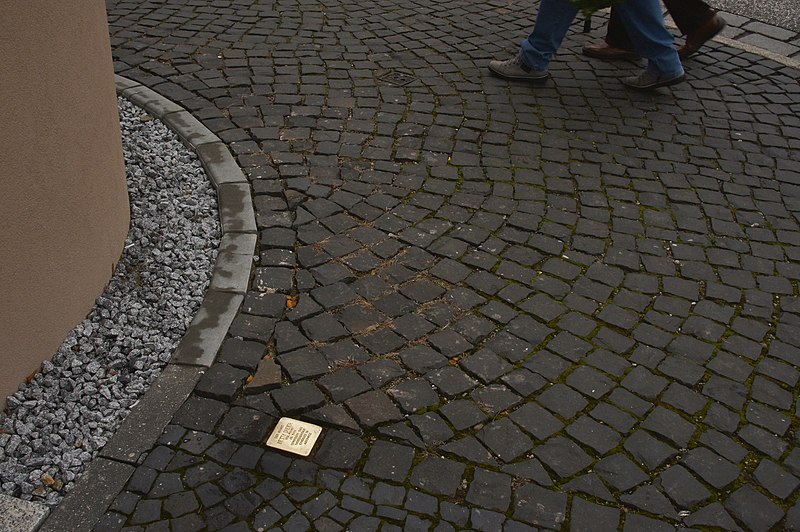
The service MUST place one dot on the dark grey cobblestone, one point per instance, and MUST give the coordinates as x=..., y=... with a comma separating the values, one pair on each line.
x=510, y=307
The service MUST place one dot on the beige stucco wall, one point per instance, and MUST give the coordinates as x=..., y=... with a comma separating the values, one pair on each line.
x=63, y=198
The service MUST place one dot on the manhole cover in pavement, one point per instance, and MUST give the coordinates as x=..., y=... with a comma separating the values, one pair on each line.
x=294, y=436
x=397, y=78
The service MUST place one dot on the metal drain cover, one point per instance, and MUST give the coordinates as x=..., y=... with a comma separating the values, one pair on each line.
x=397, y=78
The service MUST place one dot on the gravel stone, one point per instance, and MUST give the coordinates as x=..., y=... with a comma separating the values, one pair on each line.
x=109, y=360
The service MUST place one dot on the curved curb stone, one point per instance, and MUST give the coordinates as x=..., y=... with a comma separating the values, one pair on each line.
x=763, y=52
x=105, y=476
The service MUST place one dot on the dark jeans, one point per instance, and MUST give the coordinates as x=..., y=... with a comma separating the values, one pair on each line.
x=687, y=14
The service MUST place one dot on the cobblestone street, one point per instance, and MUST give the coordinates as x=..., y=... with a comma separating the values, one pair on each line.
x=511, y=306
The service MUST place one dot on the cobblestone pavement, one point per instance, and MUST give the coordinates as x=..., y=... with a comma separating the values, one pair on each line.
x=563, y=306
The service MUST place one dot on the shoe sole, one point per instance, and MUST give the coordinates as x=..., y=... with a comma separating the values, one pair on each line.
x=662, y=83
x=518, y=78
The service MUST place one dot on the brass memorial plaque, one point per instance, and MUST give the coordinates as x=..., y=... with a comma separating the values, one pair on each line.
x=294, y=436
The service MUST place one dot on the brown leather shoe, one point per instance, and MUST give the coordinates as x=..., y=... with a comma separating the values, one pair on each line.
x=601, y=50
x=701, y=35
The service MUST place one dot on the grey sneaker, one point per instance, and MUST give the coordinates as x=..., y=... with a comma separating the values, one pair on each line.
x=516, y=68
x=650, y=80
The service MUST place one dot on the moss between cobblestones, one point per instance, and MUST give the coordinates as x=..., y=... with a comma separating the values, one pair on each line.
x=697, y=418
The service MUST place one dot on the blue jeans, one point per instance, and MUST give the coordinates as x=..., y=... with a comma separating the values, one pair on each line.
x=643, y=20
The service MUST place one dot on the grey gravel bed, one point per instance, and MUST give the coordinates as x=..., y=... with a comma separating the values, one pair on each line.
x=60, y=420
x=781, y=13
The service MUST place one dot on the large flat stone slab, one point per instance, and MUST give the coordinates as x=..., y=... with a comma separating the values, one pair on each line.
x=146, y=421
x=17, y=515
x=87, y=502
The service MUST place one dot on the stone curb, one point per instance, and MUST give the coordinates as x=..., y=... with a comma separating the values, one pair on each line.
x=87, y=502
x=231, y=274
x=778, y=58
x=107, y=474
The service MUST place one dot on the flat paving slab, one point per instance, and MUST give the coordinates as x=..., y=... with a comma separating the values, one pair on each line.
x=17, y=515
x=147, y=420
x=86, y=503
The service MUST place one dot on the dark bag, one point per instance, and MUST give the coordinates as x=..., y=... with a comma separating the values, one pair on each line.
x=590, y=6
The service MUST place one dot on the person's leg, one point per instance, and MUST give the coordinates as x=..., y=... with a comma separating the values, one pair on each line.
x=645, y=25
x=616, y=35
x=617, y=44
x=689, y=15
x=695, y=19
x=552, y=23
x=538, y=49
